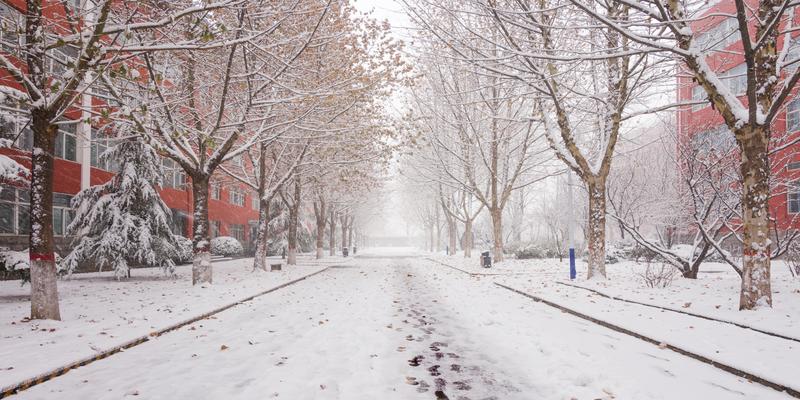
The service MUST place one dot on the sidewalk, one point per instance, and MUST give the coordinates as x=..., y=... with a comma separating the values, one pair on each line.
x=99, y=312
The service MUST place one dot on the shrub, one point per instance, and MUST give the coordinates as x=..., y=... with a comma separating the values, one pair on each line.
x=16, y=264
x=184, y=252
x=529, y=251
x=658, y=277
x=226, y=246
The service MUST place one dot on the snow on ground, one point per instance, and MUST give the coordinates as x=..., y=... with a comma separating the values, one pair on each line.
x=99, y=312
x=714, y=294
x=397, y=328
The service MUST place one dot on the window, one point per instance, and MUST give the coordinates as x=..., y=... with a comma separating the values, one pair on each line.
x=254, y=201
x=719, y=139
x=66, y=144
x=719, y=36
x=736, y=79
x=62, y=213
x=99, y=90
x=60, y=59
x=793, y=115
x=215, y=228
x=236, y=197
x=100, y=144
x=15, y=125
x=699, y=94
x=216, y=191
x=793, y=198
x=14, y=211
x=792, y=54
x=12, y=29
x=237, y=231
x=174, y=177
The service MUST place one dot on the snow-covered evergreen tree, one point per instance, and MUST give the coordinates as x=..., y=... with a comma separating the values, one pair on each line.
x=124, y=221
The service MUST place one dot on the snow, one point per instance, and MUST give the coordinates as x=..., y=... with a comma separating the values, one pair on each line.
x=226, y=246
x=397, y=328
x=99, y=312
x=714, y=294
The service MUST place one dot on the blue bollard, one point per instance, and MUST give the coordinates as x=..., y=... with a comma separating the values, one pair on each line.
x=572, y=272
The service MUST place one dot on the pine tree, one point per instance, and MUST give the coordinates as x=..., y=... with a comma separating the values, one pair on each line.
x=124, y=221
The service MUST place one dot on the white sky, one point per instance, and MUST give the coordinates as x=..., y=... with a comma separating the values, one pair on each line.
x=389, y=222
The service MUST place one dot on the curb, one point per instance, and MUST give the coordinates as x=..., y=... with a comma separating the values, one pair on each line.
x=737, y=324
x=28, y=383
x=727, y=368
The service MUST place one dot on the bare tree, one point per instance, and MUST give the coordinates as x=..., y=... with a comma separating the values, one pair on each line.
x=749, y=113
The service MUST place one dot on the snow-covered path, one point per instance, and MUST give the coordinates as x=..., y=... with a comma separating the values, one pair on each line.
x=396, y=328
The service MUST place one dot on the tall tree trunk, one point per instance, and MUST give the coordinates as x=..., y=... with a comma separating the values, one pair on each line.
x=438, y=227
x=44, y=288
x=497, y=233
x=344, y=231
x=756, y=287
x=262, y=246
x=294, y=217
x=332, y=235
x=452, y=233
x=350, y=232
x=262, y=243
x=201, y=266
x=597, y=228
x=320, y=217
x=468, y=238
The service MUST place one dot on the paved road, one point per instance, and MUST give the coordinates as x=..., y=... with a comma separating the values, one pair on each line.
x=396, y=328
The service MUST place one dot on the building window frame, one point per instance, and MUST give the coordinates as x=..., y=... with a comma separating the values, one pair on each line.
x=12, y=29
x=15, y=209
x=793, y=198
x=214, y=228
x=63, y=213
x=236, y=196
x=174, y=176
x=719, y=36
x=237, y=231
x=101, y=144
x=16, y=126
x=699, y=95
x=793, y=115
x=216, y=191
x=719, y=139
x=66, y=146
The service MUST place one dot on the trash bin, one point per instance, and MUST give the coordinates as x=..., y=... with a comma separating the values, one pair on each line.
x=486, y=259
x=345, y=250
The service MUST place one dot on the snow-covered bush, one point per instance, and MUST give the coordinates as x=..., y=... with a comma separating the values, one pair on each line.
x=529, y=251
x=226, y=246
x=631, y=251
x=183, y=247
x=16, y=264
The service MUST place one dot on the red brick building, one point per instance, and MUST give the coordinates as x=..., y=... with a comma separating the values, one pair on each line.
x=233, y=209
x=701, y=125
